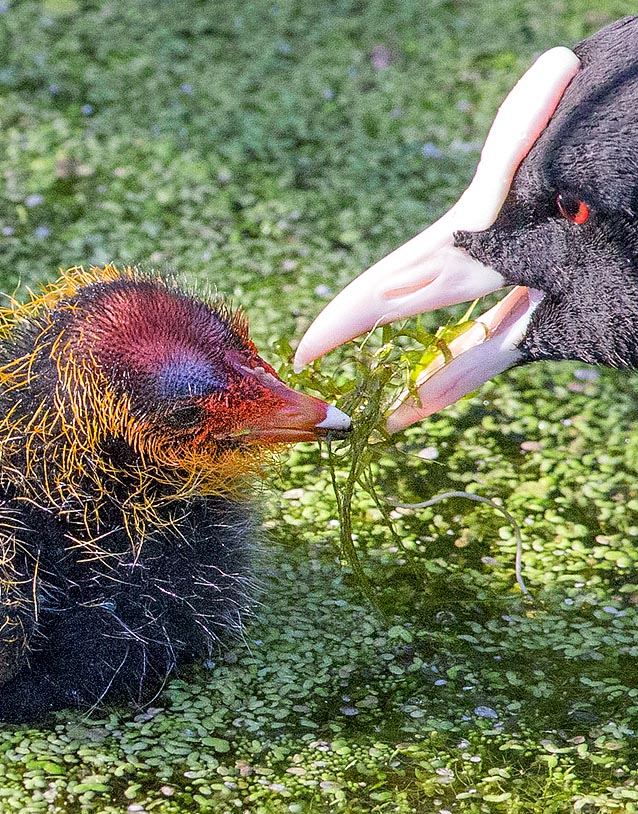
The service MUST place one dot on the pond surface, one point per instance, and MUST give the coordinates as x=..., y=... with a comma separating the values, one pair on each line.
x=271, y=151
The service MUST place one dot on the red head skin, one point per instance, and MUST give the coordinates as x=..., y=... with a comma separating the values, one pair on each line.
x=190, y=378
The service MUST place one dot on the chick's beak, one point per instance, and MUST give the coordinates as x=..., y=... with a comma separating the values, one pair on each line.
x=294, y=416
x=430, y=272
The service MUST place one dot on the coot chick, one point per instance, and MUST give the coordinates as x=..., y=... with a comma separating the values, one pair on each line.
x=133, y=418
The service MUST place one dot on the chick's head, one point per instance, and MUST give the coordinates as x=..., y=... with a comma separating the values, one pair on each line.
x=173, y=376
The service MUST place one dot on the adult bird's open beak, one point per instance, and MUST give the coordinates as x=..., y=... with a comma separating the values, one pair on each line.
x=430, y=272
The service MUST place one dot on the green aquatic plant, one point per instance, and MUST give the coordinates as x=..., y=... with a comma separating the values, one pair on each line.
x=365, y=387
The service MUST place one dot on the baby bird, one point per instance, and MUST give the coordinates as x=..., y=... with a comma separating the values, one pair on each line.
x=133, y=417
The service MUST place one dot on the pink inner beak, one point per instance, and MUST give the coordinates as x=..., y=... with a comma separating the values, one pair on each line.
x=429, y=272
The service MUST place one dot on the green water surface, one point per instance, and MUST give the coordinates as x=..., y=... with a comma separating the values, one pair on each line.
x=272, y=150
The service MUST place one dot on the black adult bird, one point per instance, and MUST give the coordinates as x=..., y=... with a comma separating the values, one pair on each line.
x=552, y=209
x=133, y=416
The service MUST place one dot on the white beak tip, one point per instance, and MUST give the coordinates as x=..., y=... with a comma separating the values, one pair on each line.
x=335, y=420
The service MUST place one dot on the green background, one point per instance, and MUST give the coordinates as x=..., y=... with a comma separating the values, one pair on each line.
x=271, y=151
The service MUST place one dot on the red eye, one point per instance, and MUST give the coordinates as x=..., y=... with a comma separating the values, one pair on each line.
x=572, y=208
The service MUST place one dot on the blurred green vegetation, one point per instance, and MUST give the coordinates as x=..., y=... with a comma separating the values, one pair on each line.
x=271, y=150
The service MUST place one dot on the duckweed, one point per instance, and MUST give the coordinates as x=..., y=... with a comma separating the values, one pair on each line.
x=272, y=152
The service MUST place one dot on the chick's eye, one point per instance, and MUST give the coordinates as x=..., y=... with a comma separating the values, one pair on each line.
x=572, y=208
x=186, y=417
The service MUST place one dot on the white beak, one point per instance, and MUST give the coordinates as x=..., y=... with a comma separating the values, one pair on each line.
x=429, y=272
